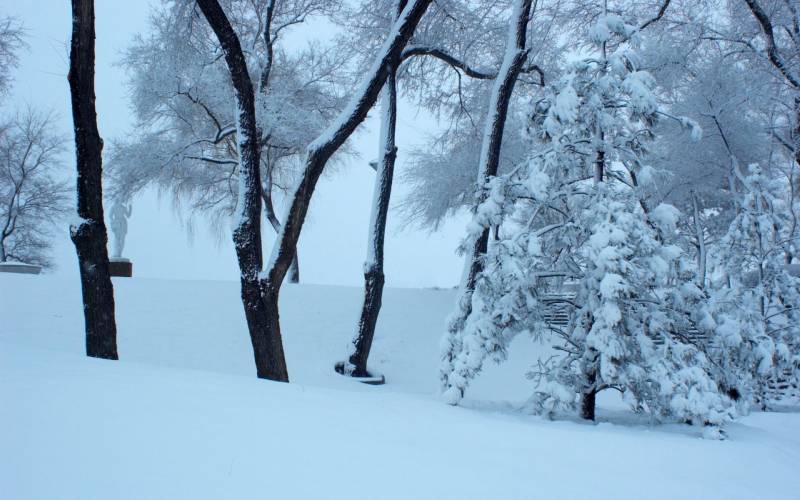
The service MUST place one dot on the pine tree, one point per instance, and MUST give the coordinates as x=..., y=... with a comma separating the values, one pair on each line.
x=575, y=212
x=757, y=300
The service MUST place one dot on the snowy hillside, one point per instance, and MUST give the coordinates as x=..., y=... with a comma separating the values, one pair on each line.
x=183, y=416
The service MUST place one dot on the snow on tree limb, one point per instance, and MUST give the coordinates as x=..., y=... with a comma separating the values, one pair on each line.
x=500, y=96
x=320, y=150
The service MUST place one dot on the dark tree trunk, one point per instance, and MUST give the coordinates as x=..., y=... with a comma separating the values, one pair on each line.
x=493, y=143
x=373, y=294
x=89, y=236
x=373, y=267
x=600, y=166
x=321, y=150
x=260, y=313
x=589, y=398
x=294, y=270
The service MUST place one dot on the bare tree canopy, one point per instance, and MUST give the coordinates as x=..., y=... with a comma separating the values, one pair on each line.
x=33, y=194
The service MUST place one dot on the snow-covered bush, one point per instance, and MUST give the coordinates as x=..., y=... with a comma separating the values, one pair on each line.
x=756, y=300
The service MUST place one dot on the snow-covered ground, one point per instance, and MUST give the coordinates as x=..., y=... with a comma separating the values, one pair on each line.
x=182, y=415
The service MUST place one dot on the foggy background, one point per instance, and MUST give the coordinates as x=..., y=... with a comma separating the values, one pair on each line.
x=332, y=246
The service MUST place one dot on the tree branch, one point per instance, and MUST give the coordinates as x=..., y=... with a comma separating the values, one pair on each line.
x=772, y=49
x=421, y=50
x=657, y=17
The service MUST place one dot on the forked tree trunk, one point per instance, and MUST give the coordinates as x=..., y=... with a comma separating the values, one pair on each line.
x=89, y=234
x=321, y=150
x=267, y=343
x=260, y=296
x=373, y=266
x=503, y=88
x=293, y=275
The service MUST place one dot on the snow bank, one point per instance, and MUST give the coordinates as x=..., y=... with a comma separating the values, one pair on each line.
x=183, y=416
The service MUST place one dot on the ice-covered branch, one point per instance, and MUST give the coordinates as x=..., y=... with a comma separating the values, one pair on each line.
x=470, y=71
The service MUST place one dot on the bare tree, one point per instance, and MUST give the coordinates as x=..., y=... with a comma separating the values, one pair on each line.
x=772, y=40
x=11, y=41
x=451, y=34
x=184, y=140
x=89, y=232
x=33, y=196
x=260, y=289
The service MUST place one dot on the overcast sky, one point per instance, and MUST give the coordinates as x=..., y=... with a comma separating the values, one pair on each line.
x=333, y=242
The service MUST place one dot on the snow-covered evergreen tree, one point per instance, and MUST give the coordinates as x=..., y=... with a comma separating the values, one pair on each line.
x=757, y=297
x=574, y=211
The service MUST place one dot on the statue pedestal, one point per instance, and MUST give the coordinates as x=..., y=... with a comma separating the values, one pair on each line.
x=19, y=268
x=120, y=267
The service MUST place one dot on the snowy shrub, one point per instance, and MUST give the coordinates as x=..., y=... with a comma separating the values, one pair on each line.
x=756, y=301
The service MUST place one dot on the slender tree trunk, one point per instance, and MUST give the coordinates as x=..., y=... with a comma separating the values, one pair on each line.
x=89, y=236
x=321, y=150
x=373, y=267
x=293, y=275
x=266, y=71
x=701, y=241
x=503, y=88
x=260, y=313
x=589, y=394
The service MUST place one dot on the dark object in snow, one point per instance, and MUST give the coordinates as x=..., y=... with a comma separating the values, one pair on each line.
x=122, y=268
x=89, y=231
x=369, y=378
x=19, y=268
x=374, y=278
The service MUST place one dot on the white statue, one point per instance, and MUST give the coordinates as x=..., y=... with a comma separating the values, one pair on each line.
x=118, y=220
